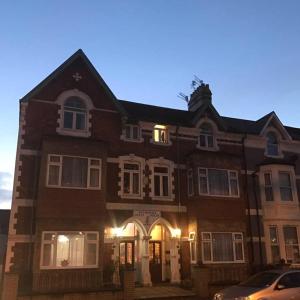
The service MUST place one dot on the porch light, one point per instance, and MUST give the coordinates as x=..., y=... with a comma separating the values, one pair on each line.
x=63, y=239
x=176, y=232
x=117, y=231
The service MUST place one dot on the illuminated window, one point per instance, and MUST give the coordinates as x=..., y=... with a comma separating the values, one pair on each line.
x=69, y=249
x=160, y=134
x=74, y=114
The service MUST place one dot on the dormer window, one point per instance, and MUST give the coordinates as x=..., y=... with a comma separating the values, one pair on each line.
x=272, y=144
x=75, y=112
x=206, y=137
x=160, y=134
x=132, y=132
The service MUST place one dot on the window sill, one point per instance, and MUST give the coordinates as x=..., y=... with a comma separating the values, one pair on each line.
x=211, y=149
x=68, y=268
x=220, y=196
x=123, y=138
x=73, y=188
x=76, y=133
x=156, y=198
x=274, y=156
x=169, y=143
x=123, y=196
x=224, y=262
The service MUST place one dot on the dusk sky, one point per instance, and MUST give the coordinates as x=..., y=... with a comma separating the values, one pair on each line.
x=149, y=51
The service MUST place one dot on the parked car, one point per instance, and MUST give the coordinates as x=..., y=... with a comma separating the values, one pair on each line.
x=268, y=285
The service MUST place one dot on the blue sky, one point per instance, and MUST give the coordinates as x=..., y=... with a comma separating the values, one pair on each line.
x=149, y=51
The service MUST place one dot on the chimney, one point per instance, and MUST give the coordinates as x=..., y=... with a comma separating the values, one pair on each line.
x=199, y=97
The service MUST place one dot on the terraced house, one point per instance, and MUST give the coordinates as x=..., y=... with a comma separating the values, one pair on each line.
x=102, y=184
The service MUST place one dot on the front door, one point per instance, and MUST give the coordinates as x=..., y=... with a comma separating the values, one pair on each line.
x=127, y=253
x=155, y=263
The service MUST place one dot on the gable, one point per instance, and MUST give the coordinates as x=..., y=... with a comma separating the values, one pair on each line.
x=78, y=73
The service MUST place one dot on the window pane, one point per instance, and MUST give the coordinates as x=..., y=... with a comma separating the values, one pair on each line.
x=74, y=173
x=239, y=251
x=128, y=132
x=218, y=182
x=136, y=183
x=131, y=166
x=126, y=187
x=275, y=254
x=206, y=251
x=53, y=178
x=193, y=251
x=160, y=170
x=269, y=193
x=234, y=187
x=91, y=254
x=68, y=120
x=222, y=247
x=273, y=235
x=203, y=185
x=80, y=121
x=94, y=177
x=165, y=186
x=290, y=235
x=95, y=162
x=47, y=255
x=210, y=141
x=49, y=237
x=202, y=140
x=55, y=158
x=268, y=180
x=157, y=185
x=135, y=132
x=286, y=194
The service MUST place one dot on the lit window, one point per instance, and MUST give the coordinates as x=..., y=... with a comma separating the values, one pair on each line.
x=190, y=182
x=268, y=187
x=272, y=144
x=160, y=134
x=161, y=181
x=222, y=247
x=275, y=250
x=216, y=182
x=291, y=244
x=131, y=179
x=132, y=132
x=285, y=186
x=206, y=138
x=69, y=249
x=74, y=114
x=78, y=172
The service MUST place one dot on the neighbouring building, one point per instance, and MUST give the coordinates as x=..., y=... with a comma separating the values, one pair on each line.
x=102, y=184
x=4, y=220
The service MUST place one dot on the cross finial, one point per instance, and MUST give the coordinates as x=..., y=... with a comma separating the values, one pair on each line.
x=77, y=76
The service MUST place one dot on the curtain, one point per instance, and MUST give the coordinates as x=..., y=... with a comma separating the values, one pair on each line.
x=218, y=182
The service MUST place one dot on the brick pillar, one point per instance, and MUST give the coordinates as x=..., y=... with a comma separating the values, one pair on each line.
x=200, y=276
x=10, y=286
x=128, y=286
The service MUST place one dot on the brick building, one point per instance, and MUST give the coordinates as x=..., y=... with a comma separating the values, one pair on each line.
x=102, y=184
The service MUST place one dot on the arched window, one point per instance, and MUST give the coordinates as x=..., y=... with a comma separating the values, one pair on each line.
x=272, y=144
x=206, y=137
x=74, y=114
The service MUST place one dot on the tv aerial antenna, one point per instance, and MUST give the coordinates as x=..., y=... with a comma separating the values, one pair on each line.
x=183, y=97
x=196, y=82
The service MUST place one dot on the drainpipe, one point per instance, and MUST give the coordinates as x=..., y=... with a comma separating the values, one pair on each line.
x=246, y=190
x=257, y=220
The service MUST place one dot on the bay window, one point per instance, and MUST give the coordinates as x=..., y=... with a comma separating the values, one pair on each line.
x=69, y=250
x=217, y=182
x=268, y=186
x=285, y=186
x=73, y=172
x=291, y=244
x=222, y=247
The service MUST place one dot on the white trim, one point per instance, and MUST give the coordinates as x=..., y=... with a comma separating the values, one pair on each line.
x=215, y=131
x=131, y=159
x=138, y=206
x=54, y=243
x=123, y=136
x=273, y=130
x=229, y=184
x=60, y=165
x=161, y=162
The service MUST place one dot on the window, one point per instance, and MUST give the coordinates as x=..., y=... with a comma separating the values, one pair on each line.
x=275, y=250
x=160, y=134
x=193, y=247
x=132, y=132
x=73, y=172
x=131, y=179
x=206, y=138
x=291, y=280
x=190, y=182
x=222, y=247
x=69, y=249
x=285, y=186
x=74, y=114
x=272, y=144
x=291, y=244
x=216, y=182
x=268, y=187
x=161, y=181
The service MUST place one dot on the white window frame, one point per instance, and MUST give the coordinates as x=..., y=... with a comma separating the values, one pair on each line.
x=131, y=172
x=234, y=242
x=277, y=244
x=161, y=176
x=193, y=247
x=90, y=166
x=270, y=186
x=139, y=139
x=74, y=118
x=278, y=138
x=54, y=243
x=298, y=236
x=289, y=187
x=229, y=182
x=190, y=182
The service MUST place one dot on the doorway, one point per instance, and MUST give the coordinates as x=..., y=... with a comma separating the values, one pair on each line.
x=155, y=261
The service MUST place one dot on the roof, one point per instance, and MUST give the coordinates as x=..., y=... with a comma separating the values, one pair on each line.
x=163, y=115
